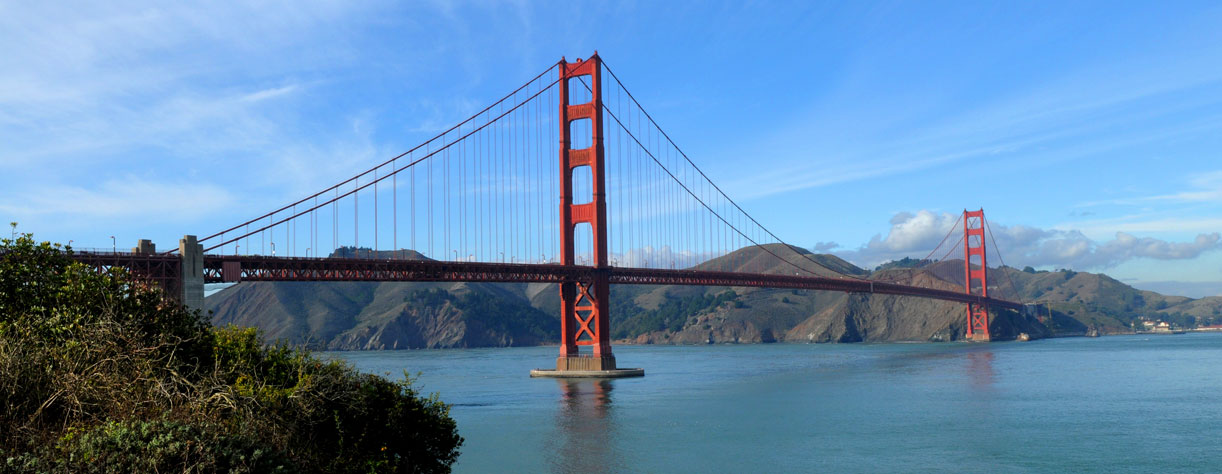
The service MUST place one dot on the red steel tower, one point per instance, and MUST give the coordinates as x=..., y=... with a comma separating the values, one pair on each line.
x=975, y=270
x=584, y=305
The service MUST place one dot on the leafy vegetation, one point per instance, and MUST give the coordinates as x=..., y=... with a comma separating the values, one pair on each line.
x=495, y=314
x=631, y=320
x=98, y=373
x=906, y=262
x=1181, y=320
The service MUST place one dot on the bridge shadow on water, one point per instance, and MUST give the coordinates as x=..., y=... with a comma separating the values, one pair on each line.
x=585, y=429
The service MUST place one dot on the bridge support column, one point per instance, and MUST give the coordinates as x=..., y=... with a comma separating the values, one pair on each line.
x=192, y=273
x=975, y=269
x=584, y=304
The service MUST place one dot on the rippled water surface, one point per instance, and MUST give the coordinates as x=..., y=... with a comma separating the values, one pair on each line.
x=1109, y=404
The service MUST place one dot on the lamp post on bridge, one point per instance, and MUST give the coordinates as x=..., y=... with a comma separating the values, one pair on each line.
x=114, y=247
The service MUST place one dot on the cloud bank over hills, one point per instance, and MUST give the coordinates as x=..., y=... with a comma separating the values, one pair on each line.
x=916, y=234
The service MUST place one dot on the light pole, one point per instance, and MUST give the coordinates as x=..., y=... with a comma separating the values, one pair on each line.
x=114, y=247
x=273, y=249
x=69, y=243
x=455, y=255
x=307, y=252
x=14, y=226
x=235, y=249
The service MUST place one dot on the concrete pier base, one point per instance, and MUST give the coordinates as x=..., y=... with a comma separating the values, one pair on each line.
x=587, y=367
x=588, y=374
x=585, y=363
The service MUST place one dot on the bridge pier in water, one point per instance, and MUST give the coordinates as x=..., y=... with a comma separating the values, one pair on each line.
x=584, y=304
x=975, y=271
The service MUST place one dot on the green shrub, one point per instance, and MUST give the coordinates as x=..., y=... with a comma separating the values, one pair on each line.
x=345, y=421
x=164, y=446
x=99, y=373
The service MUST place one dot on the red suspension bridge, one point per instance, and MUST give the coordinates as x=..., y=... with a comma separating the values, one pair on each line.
x=478, y=203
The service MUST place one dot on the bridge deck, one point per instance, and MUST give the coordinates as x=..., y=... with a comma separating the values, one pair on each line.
x=221, y=269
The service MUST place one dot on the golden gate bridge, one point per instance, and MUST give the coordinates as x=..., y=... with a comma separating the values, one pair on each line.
x=478, y=203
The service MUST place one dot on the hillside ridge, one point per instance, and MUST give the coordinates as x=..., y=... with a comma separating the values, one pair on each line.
x=402, y=315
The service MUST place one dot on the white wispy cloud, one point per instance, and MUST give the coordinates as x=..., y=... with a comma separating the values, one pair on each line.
x=272, y=93
x=129, y=197
x=1146, y=223
x=1202, y=187
x=118, y=114
x=1064, y=118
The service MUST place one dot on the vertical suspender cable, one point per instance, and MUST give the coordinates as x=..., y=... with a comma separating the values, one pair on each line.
x=429, y=201
x=375, y=212
x=394, y=209
x=413, y=202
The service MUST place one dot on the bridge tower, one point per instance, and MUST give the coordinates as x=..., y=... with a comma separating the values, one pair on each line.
x=975, y=270
x=584, y=303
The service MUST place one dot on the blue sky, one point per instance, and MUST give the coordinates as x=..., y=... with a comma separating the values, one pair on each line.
x=1088, y=131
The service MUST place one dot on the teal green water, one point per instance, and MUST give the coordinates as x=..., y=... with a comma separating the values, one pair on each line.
x=1109, y=404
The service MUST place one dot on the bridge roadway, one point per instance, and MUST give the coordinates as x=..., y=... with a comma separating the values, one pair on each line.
x=225, y=268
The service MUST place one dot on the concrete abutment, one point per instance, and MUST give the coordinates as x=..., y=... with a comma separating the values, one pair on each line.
x=192, y=272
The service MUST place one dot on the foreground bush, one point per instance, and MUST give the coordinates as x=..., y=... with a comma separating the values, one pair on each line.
x=159, y=446
x=99, y=374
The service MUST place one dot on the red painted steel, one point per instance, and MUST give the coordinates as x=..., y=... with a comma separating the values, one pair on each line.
x=584, y=304
x=161, y=270
x=264, y=268
x=973, y=246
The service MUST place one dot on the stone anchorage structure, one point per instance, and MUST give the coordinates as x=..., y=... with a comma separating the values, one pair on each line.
x=192, y=272
x=584, y=303
x=181, y=276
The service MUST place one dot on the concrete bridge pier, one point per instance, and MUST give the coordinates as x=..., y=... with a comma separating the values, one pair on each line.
x=144, y=247
x=192, y=272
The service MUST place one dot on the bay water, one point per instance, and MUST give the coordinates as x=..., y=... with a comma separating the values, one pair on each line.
x=1142, y=403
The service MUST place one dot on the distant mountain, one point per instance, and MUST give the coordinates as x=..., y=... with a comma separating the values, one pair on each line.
x=1101, y=302
x=388, y=315
x=367, y=315
x=766, y=315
